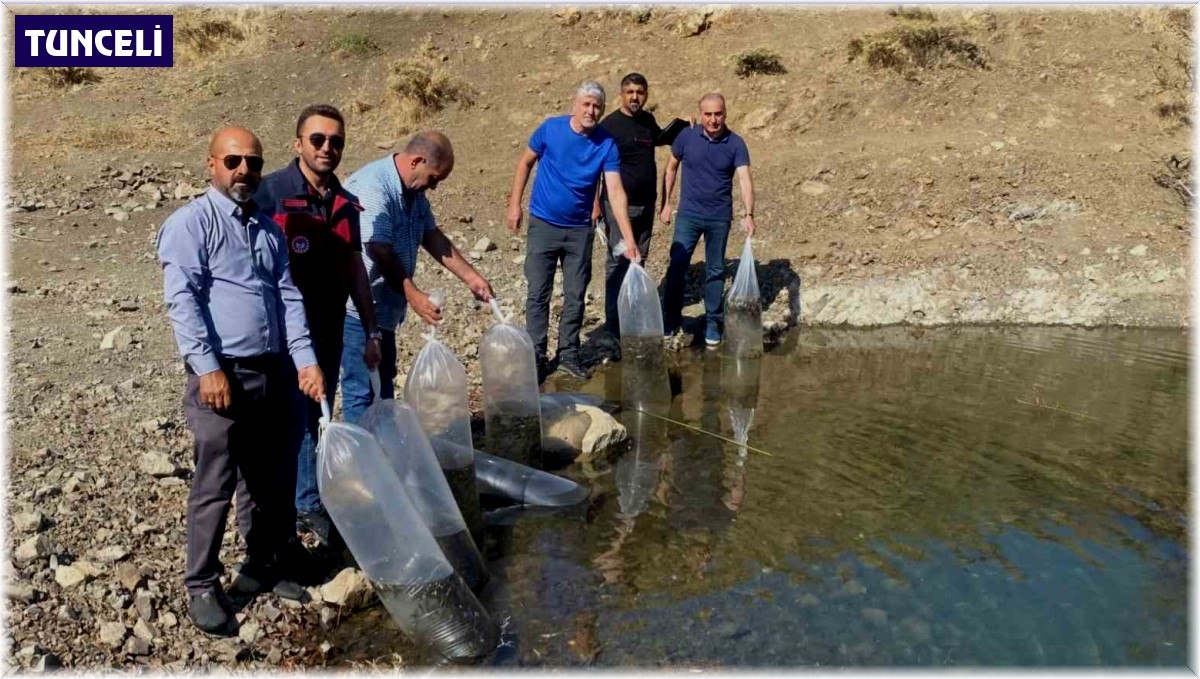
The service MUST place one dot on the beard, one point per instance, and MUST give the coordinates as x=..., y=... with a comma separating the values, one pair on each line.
x=241, y=193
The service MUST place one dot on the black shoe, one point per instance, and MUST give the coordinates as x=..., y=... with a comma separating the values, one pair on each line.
x=610, y=349
x=300, y=565
x=252, y=581
x=210, y=612
x=543, y=371
x=320, y=525
x=570, y=365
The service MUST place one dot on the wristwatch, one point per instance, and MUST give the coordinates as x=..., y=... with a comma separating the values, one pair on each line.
x=375, y=335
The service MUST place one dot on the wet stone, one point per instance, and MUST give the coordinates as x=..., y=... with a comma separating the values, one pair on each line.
x=874, y=615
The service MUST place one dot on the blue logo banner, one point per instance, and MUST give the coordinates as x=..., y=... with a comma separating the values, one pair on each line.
x=108, y=40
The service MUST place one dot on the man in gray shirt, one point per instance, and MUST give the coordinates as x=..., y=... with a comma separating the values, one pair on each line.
x=237, y=317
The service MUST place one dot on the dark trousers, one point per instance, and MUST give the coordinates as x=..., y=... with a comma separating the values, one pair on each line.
x=642, y=219
x=249, y=440
x=548, y=246
x=688, y=231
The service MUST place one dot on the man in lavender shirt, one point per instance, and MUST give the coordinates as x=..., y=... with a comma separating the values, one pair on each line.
x=237, y=318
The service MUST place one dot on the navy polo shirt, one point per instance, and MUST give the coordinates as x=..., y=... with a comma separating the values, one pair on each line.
x=708, y=166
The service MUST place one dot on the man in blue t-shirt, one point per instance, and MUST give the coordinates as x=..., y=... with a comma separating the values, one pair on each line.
x=712, y=155
x=571, y=152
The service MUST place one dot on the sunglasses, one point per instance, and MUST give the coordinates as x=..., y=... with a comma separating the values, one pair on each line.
x=232, y=162
x=335, y=142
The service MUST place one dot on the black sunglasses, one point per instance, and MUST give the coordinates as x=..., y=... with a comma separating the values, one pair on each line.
x=233, y=161
x=318, y=140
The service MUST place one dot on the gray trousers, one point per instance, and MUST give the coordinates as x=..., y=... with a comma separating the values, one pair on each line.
x=243, y=448
x=548, y=246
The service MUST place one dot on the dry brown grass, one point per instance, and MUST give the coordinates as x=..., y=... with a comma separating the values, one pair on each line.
x=758, y=62
x=1175, y=174
x=203, y=34
x=353, y=45
x=64, y=77
x=1171, y=62
x=911, y=13
x=912, y=46
x=147, y=134
x=419, y=86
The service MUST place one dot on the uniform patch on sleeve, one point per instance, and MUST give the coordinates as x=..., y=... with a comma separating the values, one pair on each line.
x=300, y=245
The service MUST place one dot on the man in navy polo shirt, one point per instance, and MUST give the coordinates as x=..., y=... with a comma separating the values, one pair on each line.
x=572, y=152
x=321, y=222
x=712, y=155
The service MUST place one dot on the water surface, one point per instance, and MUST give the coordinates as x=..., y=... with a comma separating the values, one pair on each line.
x=909, y=497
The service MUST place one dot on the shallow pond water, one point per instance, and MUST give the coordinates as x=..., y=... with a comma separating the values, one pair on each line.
x=976, y=496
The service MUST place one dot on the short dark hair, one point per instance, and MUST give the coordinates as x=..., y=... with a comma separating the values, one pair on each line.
x=634, y=79
x=433, y=146
x=323, y=110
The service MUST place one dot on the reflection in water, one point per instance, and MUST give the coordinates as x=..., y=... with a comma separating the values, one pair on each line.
x=739, y=381
x=975, y=496
x=645, y=399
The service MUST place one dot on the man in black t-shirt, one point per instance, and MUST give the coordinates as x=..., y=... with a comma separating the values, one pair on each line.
x=637, y=134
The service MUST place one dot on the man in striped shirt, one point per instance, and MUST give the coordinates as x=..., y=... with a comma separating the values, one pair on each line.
x=395, y=221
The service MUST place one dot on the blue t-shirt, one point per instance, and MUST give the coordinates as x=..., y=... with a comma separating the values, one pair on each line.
x=708, y=167
x=568, y=170
x=394, y=215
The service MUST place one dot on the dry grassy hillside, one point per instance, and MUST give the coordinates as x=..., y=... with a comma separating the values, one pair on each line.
x=916, y=153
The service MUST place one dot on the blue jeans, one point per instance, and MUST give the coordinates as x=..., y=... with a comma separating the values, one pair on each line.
x=688, y=231
x=305, y=418
x=356, y=383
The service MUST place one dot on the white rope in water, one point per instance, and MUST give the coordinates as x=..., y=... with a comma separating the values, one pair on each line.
x=740, y=444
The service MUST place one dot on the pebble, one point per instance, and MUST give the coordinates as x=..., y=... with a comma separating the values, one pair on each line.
x=22, y=591
x=143, y=630
x=157, y=464
x=112, y=634
x=69, y=576
x=28, y=522
x=249, y=632
x=875, y=615
x=112, y=553
x=144, y=603
x=129, y=576
x=136, y=646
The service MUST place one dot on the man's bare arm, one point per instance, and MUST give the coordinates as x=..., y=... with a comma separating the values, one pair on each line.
x=441, y=249
x=520, y=179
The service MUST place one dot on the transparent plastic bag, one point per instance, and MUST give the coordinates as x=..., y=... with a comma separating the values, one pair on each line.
x=645, y=400
x=395, y=425
x=740, y=379
x=436, y=388
x=519, y=484
x=637, y=472
x=511, y=403
x=396, y=550
x=743, y=310
x=639, y=312
x=638, y=307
